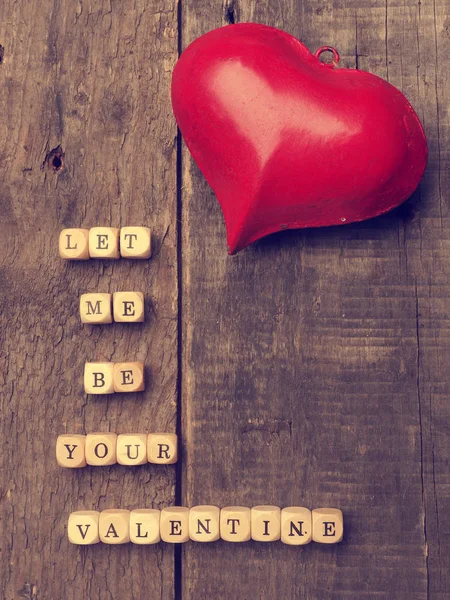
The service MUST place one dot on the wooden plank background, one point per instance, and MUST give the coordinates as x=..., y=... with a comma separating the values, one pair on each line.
x=311, y=368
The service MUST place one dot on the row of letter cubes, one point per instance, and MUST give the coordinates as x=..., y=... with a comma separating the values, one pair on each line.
x=108, y=377
x=99, y=309
x=105, y=242
x=295, y=525
x=102, y=449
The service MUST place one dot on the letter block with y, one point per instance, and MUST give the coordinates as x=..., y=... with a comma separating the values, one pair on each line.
x=128, y=307
x=132, y=449
x=98, y=378
x=104, y=242
x=114, y=526
x=204, y=523
x=70, y=451
x=95, y=309
x=82, y=527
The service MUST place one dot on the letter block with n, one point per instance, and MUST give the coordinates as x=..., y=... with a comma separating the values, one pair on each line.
x=204, y=523
x=296, y=526
x=96, y=309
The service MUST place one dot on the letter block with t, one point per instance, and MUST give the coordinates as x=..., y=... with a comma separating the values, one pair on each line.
x=114, y=526
x=132, y=449
x=204, y=523
x=104, y=242
x=82, y=528
x=327, y=525
x=128, y=307
x=135, y=242
x=101, y=449
x=266, y=523
x=129, y=377
x=235, y=524
x=296, y=526
x=70, y=451
x=144, y=526
x=74, y=244
x=95, y=308
x=162, y=448
x=174, y=524
x=98, y=378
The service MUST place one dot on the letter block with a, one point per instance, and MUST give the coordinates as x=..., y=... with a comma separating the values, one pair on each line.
x=162, y=448
x=132, y=449
x=174, y=524
x=204, y=523
x=95, y=308
x=129, y=377
x=327, y=525
x=235, y=524
x=135, y=242
x=296, y=526
x=74, y=244
x=82, y=527
x=114, y=526
x=98, y=378
x=266, y=523
x=144, y=526
x=104, y=242
x=70, y=451
x=101, y=449
x=128, y=307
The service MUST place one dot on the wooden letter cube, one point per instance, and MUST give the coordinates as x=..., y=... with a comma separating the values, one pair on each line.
x=327, y=525
x=235, y=524
x=174, y=524
x=70, y=451
x=296, y=526
x=128, y=307
x=204, y=523
x=162, y=448
x=144, y=526
x=95, y=308
x=132, y=449
x=135, y=242
x=82, y=528
x=101, y=449
x=98, y=378
x=114, y=526
x=104, y=242
x=129, y=377
x=74, y=244
x=266, y=523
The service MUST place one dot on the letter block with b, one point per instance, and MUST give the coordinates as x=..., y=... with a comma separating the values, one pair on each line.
x=70, y=451
x=98, y=378
x=95, y=308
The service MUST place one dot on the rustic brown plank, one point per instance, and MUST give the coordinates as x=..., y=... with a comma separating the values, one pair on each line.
x=94, y=79
x=314, y=363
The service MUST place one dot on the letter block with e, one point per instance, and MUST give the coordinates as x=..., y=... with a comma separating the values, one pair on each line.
x=128, y=377
x=82, y=528
x=327, y=525
x=174, y=524
x=104, y=242
x=98, y=378
x=95, y=309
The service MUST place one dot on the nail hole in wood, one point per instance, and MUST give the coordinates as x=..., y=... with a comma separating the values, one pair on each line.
x=55, y=159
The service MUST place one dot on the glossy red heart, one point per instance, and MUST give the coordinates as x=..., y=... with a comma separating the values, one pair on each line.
x=286, y=141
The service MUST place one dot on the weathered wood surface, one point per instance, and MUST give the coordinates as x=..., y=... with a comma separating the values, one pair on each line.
x=94, y=79
x=313, y=365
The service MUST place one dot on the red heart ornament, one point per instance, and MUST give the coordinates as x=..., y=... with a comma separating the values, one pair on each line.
x=286, y=141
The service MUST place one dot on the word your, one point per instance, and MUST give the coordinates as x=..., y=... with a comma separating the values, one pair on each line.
x=294, y=525
x=105, y=242
x=125, y=307
x=108, y=377
x=103, y=449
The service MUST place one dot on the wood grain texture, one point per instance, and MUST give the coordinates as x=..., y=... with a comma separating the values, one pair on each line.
x=93, y=79
x=314, y=363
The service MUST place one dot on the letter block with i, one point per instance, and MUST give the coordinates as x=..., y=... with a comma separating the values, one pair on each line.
x=204, y=523
x=70, y=451
x=296, y=526
x=266, y=523
x=235, y=524
x=327, y=525
x=74, y=244
x=98, y=378
x=95, y=308
x=135, y=242
x=144, y=526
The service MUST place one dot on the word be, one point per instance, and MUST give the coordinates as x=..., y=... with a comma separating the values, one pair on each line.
x=105, y=242
x=102, y=449
x=108, y=377
x=98, y=309
x=294, y=525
